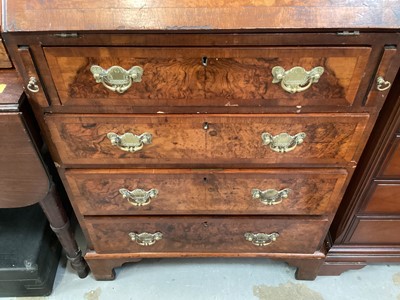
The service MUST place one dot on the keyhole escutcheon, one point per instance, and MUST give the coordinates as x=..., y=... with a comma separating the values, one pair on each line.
x=204, y=61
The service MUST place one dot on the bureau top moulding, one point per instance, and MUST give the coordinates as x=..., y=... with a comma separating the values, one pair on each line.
x=187, y=15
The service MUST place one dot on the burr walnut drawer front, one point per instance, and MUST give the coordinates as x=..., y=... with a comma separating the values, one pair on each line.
x=167, y=77
x=170, y=192
x=204, y=234
x=206, y=140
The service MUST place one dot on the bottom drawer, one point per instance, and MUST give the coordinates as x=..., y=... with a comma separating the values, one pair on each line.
x=205, y=234
x=370, y=231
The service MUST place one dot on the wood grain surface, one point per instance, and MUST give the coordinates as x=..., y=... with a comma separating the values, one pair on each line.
x=39, y=15
x=387, y=69
x=229, y=77
x=23, y=180
x=391, y=167
x=241, y=40
x=383, y=198
x=205, y=234
x=10, y=89
x=313, y=191
x=366, y=227
x=4, y=59
x=376, y=231
x=227, y=141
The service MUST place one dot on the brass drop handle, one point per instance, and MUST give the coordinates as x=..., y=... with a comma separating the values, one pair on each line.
x=282, y=142
x=382, y=84
x=297, y=79
x=32, y=85
x=145, y=238
x=261, y=239
x=116, y=78
x=139, y=197
x=130, y=142
x=270, y=196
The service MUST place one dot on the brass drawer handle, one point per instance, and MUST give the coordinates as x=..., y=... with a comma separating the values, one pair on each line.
x=382, y=84
x=130, y=142
x=282, y=142
x=145, y=238
x=297, y=79
x=32, y=85
x=261, y=239
x=270, y=196
x=117, y=79
x=139, y=197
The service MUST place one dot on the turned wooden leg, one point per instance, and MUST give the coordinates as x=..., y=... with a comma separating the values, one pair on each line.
x=59, y=223
x=307, y=269
x=103, y=269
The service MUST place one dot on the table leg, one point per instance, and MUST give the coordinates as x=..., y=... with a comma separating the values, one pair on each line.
x=59, y=223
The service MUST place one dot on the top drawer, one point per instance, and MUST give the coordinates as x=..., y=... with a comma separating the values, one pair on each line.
x=204, y=77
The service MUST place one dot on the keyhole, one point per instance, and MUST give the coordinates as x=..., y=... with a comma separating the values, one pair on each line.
x=205, y=179
x=205, y=126
x=204, y=61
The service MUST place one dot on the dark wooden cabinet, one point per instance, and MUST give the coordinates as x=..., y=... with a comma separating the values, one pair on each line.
x=366, y=228
x=205, y=129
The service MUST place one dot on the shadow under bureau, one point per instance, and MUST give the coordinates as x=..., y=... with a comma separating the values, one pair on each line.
x=229, y=140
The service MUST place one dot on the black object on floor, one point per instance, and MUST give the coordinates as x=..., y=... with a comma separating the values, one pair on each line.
x=29, y=253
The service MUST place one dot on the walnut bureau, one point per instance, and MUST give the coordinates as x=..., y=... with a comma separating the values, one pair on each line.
x=205, y=129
